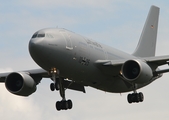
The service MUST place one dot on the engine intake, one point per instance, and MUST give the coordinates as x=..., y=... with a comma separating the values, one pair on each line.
x=136, y=71
x=20, y=84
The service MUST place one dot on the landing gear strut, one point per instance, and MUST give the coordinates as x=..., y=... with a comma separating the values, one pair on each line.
x=135, y=97
x=58, y=85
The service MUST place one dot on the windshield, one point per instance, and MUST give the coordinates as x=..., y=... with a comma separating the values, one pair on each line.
x=38, y=35
x=42, y=35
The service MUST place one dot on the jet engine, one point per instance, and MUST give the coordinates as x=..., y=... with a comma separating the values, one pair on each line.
x=136, y=71
x=20, y=84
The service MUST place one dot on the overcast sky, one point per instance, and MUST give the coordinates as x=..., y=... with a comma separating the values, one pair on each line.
x=117, y=23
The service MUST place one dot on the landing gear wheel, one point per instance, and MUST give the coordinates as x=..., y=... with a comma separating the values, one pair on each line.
x=135, y=97
x=58, y=105
x=70, y=104
x=129, y=98
x=141, y=97
x=63, y=105
x=57, y=86
x=52, y=86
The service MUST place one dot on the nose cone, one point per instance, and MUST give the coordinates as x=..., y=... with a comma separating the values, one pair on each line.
x=36, y=48
x=34, y=45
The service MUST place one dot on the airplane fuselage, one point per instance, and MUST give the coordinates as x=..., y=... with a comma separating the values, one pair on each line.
x=75, y=57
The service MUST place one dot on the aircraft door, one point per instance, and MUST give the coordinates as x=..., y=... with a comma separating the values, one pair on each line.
x=67, y=38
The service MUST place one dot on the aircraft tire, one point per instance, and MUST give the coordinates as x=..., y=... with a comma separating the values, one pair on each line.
x=135, y=97
x=58, y=105
x=56, y=86
x=64, y=105
x=129, y=98
x=70, y=104
x=141, y=97
x=52, y=87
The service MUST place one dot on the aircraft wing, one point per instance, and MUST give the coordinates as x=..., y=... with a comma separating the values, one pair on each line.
x=158, y=60
x=113, y=67
x=38, y=74
x=35, y=72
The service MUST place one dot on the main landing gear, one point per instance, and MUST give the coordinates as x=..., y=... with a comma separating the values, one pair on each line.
x=58, y=85
x=135, y=97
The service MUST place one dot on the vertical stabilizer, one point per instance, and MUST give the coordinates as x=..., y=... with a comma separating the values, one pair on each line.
x=147, y=43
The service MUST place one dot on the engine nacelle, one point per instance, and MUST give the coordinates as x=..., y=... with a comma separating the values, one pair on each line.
x=137, y=71
x=20, y=84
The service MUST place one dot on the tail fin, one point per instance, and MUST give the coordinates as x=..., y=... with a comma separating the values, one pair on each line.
x=147, y=43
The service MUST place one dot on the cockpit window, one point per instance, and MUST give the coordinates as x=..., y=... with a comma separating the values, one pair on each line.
x=34, y=35
x=41, y=35
x=38, y=35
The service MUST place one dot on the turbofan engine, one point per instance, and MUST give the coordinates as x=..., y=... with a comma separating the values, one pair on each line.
x=136, y=71
x=20, y=84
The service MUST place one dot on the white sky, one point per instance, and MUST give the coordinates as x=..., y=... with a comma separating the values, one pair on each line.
x=117, y=23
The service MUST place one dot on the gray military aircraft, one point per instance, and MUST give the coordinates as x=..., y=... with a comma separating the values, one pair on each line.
x=72, y=61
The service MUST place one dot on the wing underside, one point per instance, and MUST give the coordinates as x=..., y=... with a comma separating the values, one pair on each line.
x=113, y=67
x=41, y=73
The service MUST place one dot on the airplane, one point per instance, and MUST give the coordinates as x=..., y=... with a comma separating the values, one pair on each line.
x=74, y=62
